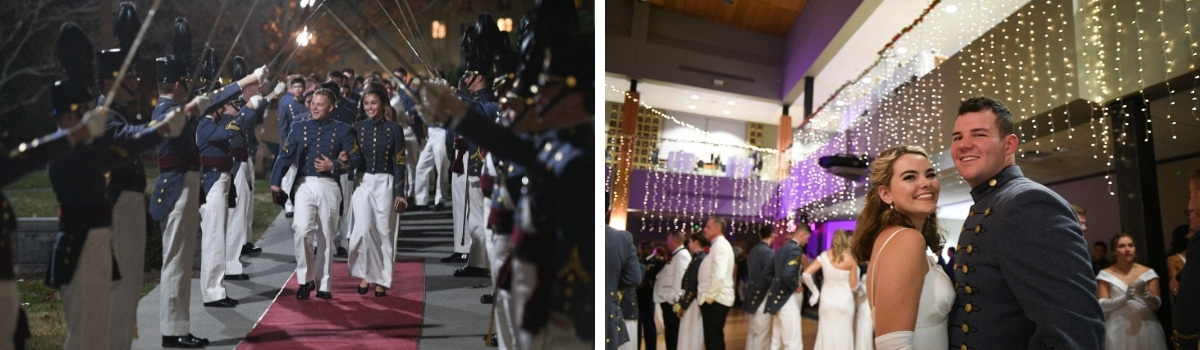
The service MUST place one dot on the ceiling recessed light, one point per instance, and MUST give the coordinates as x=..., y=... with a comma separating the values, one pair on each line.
x=725, y=111
x=951, y=9
x=691, y=106
x=730, y=103
x=695, y=97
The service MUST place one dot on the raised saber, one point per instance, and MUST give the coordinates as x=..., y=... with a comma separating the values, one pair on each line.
x=405, y=37
x=370, y=53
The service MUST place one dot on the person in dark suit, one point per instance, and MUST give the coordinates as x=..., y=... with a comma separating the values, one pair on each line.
x=760, y=272
x=652, y=262
x=621, y=270
x=785, y=293
x=1024, y=279
x=1186, y=320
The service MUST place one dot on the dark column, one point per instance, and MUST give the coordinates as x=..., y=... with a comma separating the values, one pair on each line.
x=1137, y=190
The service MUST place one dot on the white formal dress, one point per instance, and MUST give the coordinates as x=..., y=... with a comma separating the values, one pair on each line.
x=835, y=327
x=691, y=328
x=1134, y=325
x=933, y=310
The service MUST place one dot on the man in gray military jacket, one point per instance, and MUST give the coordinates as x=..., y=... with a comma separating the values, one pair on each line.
x=1023, y=277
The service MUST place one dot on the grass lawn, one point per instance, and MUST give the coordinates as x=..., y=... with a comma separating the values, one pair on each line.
x=32, y=196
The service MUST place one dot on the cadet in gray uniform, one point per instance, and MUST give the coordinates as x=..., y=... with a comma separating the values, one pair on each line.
x=760, y=272
x=1023, y=278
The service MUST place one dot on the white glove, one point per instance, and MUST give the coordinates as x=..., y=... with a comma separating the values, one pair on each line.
x=278, y=89
x=95, y=120
x=438, y=104
x=898, y=340
x=1115, y=302
x=260, y=73
x=812, y=287
x=255, y=102
x=203, y=102
x=175, y=121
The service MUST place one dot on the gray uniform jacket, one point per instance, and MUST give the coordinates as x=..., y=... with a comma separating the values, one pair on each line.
x=759, y=273
x=1023, y=275
x=621, y=271
x=787, y=276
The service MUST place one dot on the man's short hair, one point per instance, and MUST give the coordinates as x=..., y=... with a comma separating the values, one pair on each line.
x=327, y=93
x=720, y=222
x=348, y=70
x=1079, y=209
x=1101, y=244
x=400, y=70
x=335, y=74
x=1004, y=120
x=679, y=236
x=296, y=80
x=765, y=231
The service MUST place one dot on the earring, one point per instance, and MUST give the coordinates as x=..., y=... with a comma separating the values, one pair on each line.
x=892, y=206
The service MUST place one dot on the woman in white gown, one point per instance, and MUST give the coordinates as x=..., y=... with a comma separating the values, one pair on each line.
x=910, y=296
x=1129, y=295
x=691, y=328
x=835, y=327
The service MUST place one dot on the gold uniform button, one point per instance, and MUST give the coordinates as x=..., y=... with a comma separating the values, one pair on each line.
x=977, y=228
x=992, y=182
x=968, y=289
x=963, y=347
x=965, y=328
x=987, y=212
x=968, y=307
x=964, y=268
x=970, y=248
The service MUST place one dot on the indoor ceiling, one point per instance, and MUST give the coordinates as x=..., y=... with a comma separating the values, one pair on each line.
x=771, y=17
x=667, y=97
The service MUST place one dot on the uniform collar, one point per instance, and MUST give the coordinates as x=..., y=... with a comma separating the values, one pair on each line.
x=328, y=119
x=996, y=182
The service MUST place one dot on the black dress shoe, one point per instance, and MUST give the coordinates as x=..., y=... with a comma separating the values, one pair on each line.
x=439, y=207
x=487, y=299
x=455, y=258
x=363, y=290
x=324, y=295
x=341, y=252
x=471, y=271
x=249, y=248
x=184, y=341
x=304, y=290
x=227, y=302
x=380, y=293
x=289, y=215
x=237, y=277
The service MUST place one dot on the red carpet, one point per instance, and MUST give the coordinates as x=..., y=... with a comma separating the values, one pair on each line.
x=349, y=320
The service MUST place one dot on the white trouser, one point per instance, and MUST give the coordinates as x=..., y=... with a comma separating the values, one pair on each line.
x=179, y=241
x=412, y=152
x=373, y=238
x=462, y=238
x=129, y=248
x=315, y=221
x=84, y=299
x=785, y=325
x=498, y=248
x=346, y=220
x=433, y=164
x=524, y=280
x=10, y=303
x=476, y=224
x=289, y=179
x=631, y=326
x=237, y=232
x=213, y=219
x=759, y=334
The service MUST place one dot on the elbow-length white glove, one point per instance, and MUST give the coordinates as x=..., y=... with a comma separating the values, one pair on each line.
x=898, y=340
x=812, y=287
x=1112, y=303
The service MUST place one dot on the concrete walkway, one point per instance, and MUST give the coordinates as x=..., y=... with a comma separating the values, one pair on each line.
x=454, y=318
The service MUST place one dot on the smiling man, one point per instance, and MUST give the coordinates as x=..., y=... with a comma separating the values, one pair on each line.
x=1024, y=277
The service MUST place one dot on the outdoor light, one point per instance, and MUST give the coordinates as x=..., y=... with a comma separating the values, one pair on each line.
x=305, y=37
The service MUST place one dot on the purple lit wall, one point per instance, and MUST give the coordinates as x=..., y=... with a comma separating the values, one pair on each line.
x=808, y=182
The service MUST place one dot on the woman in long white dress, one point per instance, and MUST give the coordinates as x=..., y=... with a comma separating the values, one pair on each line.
x=691, y=327
x=1129, y=295
x=910, y=296
x=864, y=330
x=835, y=327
